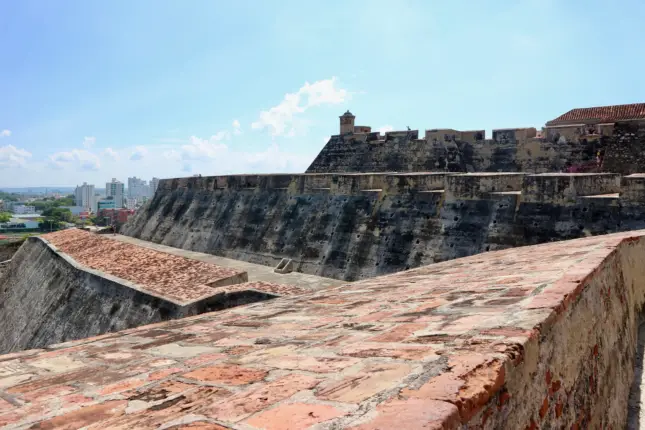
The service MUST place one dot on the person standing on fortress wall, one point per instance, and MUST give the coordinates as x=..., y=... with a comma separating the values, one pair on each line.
x=599, y=157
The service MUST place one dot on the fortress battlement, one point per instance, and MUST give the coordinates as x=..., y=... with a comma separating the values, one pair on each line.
x=553, y=188
x=605, y=139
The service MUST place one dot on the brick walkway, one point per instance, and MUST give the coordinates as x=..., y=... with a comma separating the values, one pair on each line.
x=424, y=348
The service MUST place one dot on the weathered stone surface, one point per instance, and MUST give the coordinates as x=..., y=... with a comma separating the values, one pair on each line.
x=356, y=226
x=48, y=296
x=570, y=147
x=533, y=337
x=454, y=151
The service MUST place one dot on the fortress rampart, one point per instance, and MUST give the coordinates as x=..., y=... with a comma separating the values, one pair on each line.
x=535, y=337
x=351, y=226
x=48, y=296
x=555, y=148
x=556, y=188
x=546, y=336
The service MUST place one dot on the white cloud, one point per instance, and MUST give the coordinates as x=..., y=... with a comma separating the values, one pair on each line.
x=10, y=156
x=272, y=160
x=170, y=140
x=82, y=158
x=5, y=133
x=237, y=127
x=111, y=153
x=206, y=156
x=89, y=141
x=326, y=139
x=172, y=155
x=138, y=153
x=385, y=129
x=280, y=118
x=210, y=148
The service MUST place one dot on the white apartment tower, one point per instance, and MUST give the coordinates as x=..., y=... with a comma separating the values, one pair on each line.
x=154, y=183
x=116, y=190
x=84, y=196
x=137, y=188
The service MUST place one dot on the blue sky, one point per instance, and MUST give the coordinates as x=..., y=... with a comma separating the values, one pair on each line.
x=91, y=90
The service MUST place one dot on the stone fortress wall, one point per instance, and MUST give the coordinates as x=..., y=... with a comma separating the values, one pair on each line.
x=535, y=337
x=73, y=284
x=559, y=147
x=372, y=204
x=355, y=226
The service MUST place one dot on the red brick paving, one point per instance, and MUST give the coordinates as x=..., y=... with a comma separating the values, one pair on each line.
x=398, y=351
x=164, y=274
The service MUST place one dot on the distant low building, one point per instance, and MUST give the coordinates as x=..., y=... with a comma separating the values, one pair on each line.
x=18, y=224
x=115, y=216
x=75, y=210
x=24, y=209
x=131, y=202
x=105, y=204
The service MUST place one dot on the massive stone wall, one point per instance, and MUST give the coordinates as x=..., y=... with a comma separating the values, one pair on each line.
x=566, y=148
x=355, y=226
x=46, y=297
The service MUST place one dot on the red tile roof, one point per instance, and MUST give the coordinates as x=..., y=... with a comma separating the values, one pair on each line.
x=602, y=114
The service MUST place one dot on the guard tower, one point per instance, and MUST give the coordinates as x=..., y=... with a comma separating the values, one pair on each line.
x=347, y=123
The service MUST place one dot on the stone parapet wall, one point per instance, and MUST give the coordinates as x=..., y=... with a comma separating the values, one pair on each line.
x=354, y=226
x=534, y=337
x=557, y=188
x=49, y=296
x=556, y=149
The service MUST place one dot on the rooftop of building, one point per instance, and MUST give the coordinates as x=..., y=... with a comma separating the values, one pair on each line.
x=422, y=348
x=601, y=114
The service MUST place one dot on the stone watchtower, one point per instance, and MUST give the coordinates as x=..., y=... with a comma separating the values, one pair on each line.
x=347, y=123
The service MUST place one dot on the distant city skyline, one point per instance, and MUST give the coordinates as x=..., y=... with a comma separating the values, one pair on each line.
x=94, y=90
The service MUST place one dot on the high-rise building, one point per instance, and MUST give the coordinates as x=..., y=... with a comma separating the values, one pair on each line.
x=154, y=183
x=116, y=190
x=137, y=188
x=84, y=196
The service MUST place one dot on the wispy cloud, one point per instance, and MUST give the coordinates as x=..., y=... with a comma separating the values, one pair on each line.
x=384, y=129
x=205, y=148
x=111, y=153
x=280, y=119
x=10, y=156
x=172, y=154
x=81, y=158
x=89, y=141
x=138, y=153
x=237, y=127
x=5, y=133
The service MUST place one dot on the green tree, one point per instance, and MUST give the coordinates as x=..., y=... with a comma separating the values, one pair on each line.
x=58, y=214
x=50, y=224
x=10, y=197
x=5, y=216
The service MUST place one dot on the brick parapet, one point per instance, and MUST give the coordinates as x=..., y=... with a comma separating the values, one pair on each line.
x=507, y=339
